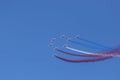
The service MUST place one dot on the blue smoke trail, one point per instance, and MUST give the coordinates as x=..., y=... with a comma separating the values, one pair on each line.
x=90, y=46
x=86, y=45
x=94, y=43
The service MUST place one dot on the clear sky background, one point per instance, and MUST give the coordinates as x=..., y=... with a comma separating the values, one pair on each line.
x=26, y=27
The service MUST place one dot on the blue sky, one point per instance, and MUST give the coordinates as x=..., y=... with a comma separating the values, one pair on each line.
x=26, y=27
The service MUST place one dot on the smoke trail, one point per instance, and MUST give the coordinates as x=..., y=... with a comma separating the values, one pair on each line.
x=86, y=45
x=94, y=43
x=90, y=55
x=76, y=50
x=117, y=54
x=79, y=55
x=81, y=61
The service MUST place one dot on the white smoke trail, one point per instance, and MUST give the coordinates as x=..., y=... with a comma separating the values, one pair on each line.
x=80, y=51
x=73, y=49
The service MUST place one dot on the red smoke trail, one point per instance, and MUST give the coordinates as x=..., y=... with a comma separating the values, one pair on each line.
x=100, y=57
x=81, y=61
